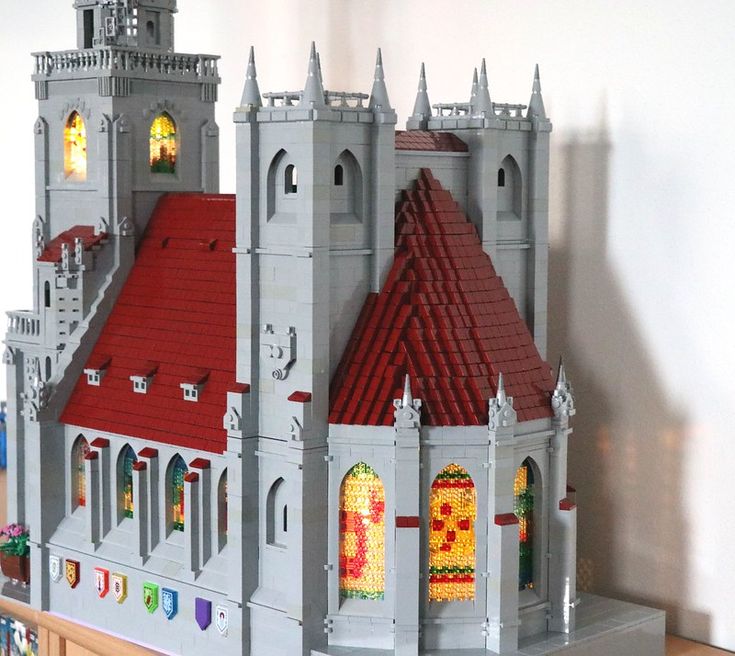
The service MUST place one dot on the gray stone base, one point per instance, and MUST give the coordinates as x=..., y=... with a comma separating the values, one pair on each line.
x=605, y=627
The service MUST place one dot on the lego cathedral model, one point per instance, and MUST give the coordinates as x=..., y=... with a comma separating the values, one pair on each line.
x=310, y=418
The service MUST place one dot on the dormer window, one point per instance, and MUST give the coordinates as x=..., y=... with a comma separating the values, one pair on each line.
x=193, y=388
x=142, y=381
x=96, y=371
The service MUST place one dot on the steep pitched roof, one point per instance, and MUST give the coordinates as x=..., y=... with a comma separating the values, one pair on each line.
x=445, y=317
x=445, y=142
x=175, y=316
x=52, y=252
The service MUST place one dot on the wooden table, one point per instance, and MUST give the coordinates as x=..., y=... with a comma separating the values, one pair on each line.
x=680, y=647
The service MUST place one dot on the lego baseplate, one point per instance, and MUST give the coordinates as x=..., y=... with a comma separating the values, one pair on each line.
x=604, y=627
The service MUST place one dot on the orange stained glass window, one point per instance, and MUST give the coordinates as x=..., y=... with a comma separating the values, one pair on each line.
x=81, y=449
x=523, y=509
x=452, y=508
x=362, y=535
x=75, y=147
x=163, y=144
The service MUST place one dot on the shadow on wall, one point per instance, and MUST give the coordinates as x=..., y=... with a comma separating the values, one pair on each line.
x=625, y=456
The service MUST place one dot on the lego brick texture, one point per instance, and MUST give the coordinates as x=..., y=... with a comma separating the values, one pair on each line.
x=52, y=251
x=445, y=318
x=444, y=142
x=176, y=314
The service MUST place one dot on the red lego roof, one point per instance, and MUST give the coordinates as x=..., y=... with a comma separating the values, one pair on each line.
x=428, y=140
x=445, y=317
x=52, y=252
x=175, y=314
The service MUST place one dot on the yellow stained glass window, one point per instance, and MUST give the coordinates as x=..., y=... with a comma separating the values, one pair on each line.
x=75, y=147
x=452, y=508
x=178, y=471
x=128, y=460
x=163, y=144
x=362, y=535
x=523, y=509
x=79, y=451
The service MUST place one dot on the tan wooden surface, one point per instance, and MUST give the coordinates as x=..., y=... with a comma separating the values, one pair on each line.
x=680, y=647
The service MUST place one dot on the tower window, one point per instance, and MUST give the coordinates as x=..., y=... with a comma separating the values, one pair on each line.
x=339, y=175
x=75, y=148
x=79, y=476
x=47, y=294
x=177, y=471
x=163, y=144
x=362, y=535
x=125, y=483
x=452, y=508
x=501, y=177
x=291, y=180
x=276, y=514
x=88, y=27
x=523, y=507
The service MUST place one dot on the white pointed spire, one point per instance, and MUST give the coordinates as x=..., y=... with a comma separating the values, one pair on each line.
x=561, y=376
x=251, y=92
x=313, y=95
x=379, y=94
x=482, y=100
x=536, y=104
x=473, y=94
x=407, y=400
x=500, y=395
x=319, y=68
x=422, y=106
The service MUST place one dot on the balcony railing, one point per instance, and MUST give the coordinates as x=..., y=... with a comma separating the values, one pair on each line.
x=24, y=326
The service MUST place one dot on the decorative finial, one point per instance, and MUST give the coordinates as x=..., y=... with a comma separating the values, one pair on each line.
x=561, y=376
x=313, y=95
x=536, y=104
x=407, y=400
x=422, y=106
x=500, y=395
x=379, y=94
x=482, y=99
x=473, y=94
x=251, y=92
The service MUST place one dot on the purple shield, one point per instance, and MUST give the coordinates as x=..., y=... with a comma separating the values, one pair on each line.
x=203, y=612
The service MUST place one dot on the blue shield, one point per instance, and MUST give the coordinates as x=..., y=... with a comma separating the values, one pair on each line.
x=169, y=602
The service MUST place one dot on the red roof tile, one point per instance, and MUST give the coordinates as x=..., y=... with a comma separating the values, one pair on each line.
x=177, y=310
x=445, y=317
x=52, y=252
x=427, y=140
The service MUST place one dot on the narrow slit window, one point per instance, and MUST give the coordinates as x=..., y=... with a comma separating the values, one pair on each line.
x=523, y=507
x=222, y=509
x=75, y=148
x=163, y=144
x=178, y=471
x=501, y=177
x=79, y=476
x=452, y=508
x=362, y=535
x=339, y=175
x=285, y=519
x=291, y=181
x=128, y=459
x=47, y=294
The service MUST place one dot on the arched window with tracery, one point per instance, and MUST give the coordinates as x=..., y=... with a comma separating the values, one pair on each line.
x=125, y=463
x=452, y=513
x=79, y=477
x=362, y=535
x=177, y=469
x=523, y=492
x=75, y=147
x=163, y=144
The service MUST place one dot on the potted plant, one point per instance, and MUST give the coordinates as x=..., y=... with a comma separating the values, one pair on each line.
x=14, y=553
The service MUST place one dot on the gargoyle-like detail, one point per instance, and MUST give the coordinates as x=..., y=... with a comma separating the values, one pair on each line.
x=65, y=262
x=38, y=391
x=501, y=412
x=125, y=227
x=296, y=429
x=9, y=356
x=101, y=227
x=408, y=409
x=232, y=421
x=39, y=127
x=39, y=239
x=279, y=349
x=562, y=400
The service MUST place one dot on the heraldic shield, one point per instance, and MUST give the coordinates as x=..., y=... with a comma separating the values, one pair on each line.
x=54, y=568
x=72, y=572
x=119, y=587
x=169, y=602
x=150, y=596
x=101, y=581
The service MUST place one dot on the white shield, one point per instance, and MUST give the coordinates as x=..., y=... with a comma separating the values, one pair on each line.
x=119, y=587
x=54, y=568
x=222, y=619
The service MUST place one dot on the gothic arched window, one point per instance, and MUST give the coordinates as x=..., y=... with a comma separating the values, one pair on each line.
x=222, y=510
x=523, y=507
x=276, y=520
x=362, y=535
x=78, y=474
x=452, y=512
x=75, y=147
x=177, y=469
x=125, y=463
x=291, y=179
x=163, y=144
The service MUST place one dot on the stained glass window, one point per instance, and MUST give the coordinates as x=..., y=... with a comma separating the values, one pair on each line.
x=163, y=144
x=452, y=508
x=79, y=450
x=523, y=508
x=178, y=471
x=75, y=147
x=362, y=535
x=127, y=460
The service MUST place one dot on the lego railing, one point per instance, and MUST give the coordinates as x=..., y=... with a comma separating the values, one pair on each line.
x=341, y=99
x=465, y=109
x=24, y=326
x=126, y=60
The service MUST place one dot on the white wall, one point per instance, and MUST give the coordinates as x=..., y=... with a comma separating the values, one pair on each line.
x=642, y=265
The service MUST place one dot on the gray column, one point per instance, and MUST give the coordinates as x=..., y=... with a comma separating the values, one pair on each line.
x=102, y=447
x=155, y=517
x=202, y=465
x=192, y=560
x=92, y=484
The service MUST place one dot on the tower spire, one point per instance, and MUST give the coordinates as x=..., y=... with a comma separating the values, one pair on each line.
x=251, y=92
x=473, y=94
x=500, y=395
x=379, y=93
x=561, y=376
x=536, y=104
x=313, y=95
x=482, y=100
x=422, y=106
x=407, y=400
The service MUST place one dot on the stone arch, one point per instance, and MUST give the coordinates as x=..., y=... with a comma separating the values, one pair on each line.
x=276, y=514
x=362, y=534
x=282, y=187
x=163, y=144
x=347, y=189
x=510, y=192
x=175, y=473
x=126, y=458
